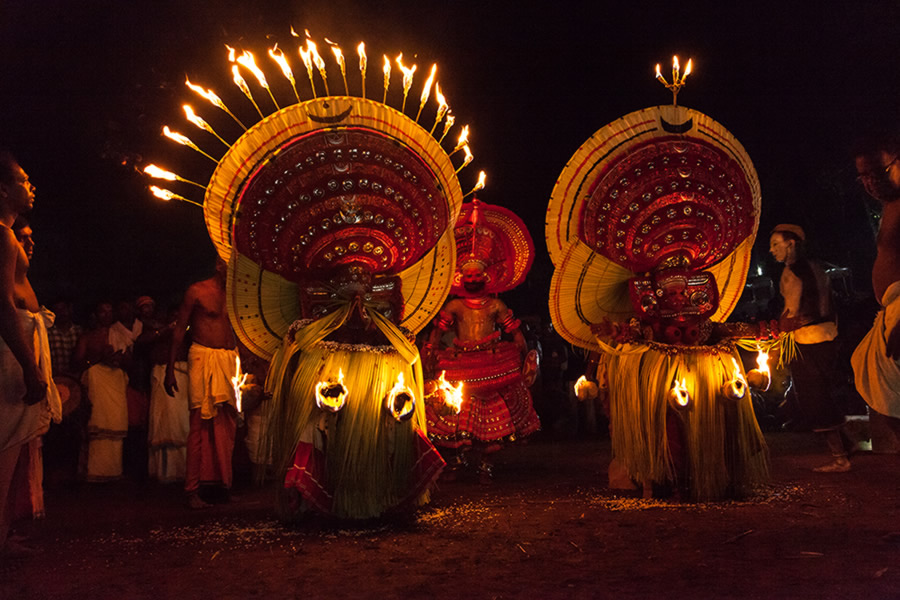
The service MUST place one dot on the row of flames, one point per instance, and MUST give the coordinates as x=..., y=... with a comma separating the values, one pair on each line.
x=680, y=398
x=733, y=389
x=311, y=59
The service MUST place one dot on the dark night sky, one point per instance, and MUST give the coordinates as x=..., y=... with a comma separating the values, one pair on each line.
x=87, y=87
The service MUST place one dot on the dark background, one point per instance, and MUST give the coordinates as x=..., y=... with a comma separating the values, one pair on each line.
x=87, y=86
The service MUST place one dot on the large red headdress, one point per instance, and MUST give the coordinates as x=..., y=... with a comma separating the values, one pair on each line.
x=495, y=242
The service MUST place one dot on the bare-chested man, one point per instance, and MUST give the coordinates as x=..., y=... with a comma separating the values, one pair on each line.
x=875, y=361
x=26, y=387
x=211, y=365
x=497, y=405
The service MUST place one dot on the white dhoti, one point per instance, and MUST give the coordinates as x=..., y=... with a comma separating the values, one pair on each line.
x=169, y=425
x=19, y=422
x=877, y=376
x=108, y=424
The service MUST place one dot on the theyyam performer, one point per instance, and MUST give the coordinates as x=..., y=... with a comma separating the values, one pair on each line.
x=335, y=215
x=650, y=228
x=492, y=374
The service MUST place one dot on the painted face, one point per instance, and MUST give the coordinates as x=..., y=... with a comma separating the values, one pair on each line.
x=879, y=175
x=780, y=248
x=473, y=278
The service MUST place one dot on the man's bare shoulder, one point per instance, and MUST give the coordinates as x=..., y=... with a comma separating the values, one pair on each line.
x=8, y=243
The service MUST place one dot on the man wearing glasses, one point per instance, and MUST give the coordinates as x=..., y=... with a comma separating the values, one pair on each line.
x=875, y=362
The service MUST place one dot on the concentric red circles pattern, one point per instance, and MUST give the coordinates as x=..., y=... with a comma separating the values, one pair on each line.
x=670, y=200
x=338, y=197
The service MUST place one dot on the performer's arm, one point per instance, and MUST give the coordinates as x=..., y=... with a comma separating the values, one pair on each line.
x=10, y=327
x=512, y=326
x=178, y=333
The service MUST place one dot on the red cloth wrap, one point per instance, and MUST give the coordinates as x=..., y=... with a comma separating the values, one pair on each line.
x=308, y=475
x=497, y=404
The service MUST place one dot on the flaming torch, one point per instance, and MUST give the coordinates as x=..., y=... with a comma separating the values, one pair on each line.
x=237, y=381
x=155, y=172
x=679, y=397
x=462, y=141
x=199, y=122
x=307, y=62
x=478, y=186
x=447, y=125
x=184, y=141
x=248, y=62
x=164, y=194
x=453, y=395
x=407, y=79
x=339, y=57
x=281, y=59
x=585, y=389
x=426, y=91
x=387, y=77
x=318, y=61
x=363, y=63
x=760, y=378
x=736, y=388
x=467, y=160
x=400, y=402
x=443, y=107
x=677, y=77
x=331, y=394
x=213, y=99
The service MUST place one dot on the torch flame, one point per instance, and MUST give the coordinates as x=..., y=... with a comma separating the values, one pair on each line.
x=339, y=57
x=405, y=411
x=387, y=76
x=318, y=61
x=157, y=173
x=193, y=118
x=281, y=59
x=738, y=375
x=213, y=99
x=676, y=68
x=453, y=396
x=208, y=94
x=468, y=158
x=237, y=381
x=762, y=360
x=249, y=62
x=687, y=69
x=230, y=53
x=363, y=63
x=463, y=138
x=407, y=78
x=331, y=395
x=680, y=393
x=481, y=180
x=447, y=125
x=164, y=194
x=426, y=90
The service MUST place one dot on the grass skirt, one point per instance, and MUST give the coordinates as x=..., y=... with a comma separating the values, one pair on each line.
x=359, y=462
x=714, y=447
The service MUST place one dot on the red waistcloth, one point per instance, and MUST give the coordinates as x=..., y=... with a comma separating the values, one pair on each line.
x=210, y=445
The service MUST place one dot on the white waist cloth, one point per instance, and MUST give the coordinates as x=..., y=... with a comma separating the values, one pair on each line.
x=877, y=376
x=18, y=421
x=106, y=388
x=210, y=371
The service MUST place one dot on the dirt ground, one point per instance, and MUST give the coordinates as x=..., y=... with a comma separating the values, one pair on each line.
x=547, y=528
